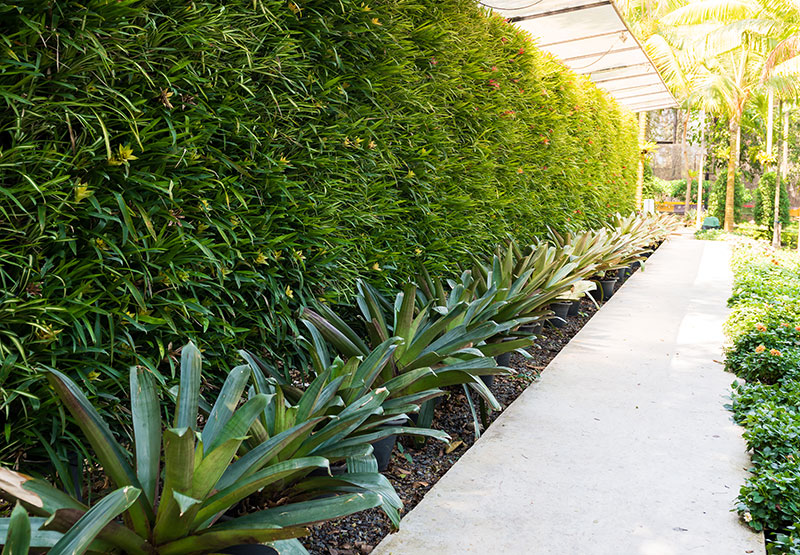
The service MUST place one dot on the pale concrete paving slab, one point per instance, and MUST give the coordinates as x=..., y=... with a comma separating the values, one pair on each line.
x=623, y=447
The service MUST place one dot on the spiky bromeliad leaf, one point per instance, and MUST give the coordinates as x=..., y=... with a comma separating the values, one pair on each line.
x=78, y=539
x=146, y=417
x=115, y=461
x=17, y=538
x=189, y=388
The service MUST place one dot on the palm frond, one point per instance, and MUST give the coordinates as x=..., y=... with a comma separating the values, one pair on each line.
x=787, y=49
x=721, y=11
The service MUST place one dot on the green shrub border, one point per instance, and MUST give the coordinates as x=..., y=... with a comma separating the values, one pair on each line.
x=201, y=170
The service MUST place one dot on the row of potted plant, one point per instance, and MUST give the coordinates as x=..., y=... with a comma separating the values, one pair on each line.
x=288, y=456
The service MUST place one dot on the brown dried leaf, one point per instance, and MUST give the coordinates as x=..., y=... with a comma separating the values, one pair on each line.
x=12, y=483
x=453, y=446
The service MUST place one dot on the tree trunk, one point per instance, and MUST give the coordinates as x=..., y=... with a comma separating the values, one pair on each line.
x=732, y=159
x=776, y=215
x=770, y=120
x=701, y=170
x=640, y=171
x=686, y=175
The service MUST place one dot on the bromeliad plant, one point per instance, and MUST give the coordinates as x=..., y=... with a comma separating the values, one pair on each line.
x=344, y=392
x=529, y=279
x=578, y=291
x=598, y=251
x=435, y=347
x=182, y=479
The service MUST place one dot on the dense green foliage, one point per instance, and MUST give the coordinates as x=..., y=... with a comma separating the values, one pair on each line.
x=202, y=170
x=756, y=231
x=765, y=332
x=678, y=190
x=716, y=199
x=654, y=187
x=764, y=201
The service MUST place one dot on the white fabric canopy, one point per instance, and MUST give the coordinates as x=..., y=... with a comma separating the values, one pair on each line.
x=591, y=38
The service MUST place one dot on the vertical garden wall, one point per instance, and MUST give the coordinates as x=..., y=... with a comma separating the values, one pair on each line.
x=174, y=170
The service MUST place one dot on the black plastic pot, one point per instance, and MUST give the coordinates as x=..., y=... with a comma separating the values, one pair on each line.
x=249, y=549
x=336, y=470
x=502, y=360
x=604, y=290
x=635, y=266
x=561, y=310
x=382, y=449
x=622, y=275
x=574, y=307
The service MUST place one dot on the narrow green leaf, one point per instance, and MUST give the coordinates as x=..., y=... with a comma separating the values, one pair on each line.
x=256, y=458
x=80, y=536
x=226, y=403
x=179, y=465
x=226, y=498
x=113, y=458
x=38, y=537
x=189, y=389
x=17, y=540
x=209, y=541
x=303, y=514
x=146, y=417
x=238, y=425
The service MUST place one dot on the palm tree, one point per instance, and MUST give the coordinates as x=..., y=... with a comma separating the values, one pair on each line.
x=754, y=41
x=677, y=67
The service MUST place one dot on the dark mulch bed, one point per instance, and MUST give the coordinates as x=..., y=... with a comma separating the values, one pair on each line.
x=413, y=471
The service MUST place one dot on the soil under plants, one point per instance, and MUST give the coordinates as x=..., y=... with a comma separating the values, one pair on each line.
x=413, y=471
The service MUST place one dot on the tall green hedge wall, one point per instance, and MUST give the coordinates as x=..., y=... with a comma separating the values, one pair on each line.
x=200, y=169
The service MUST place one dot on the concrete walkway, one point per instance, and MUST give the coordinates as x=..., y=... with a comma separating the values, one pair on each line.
x=623, y=446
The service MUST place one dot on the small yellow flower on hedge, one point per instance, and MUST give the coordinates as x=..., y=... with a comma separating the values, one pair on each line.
x=260, y=258
x=761, y=327
x=93, y=375
x=102, y=245
x=775, y=352
x=298, y=255
x=47, y=332
x=376, y=21
x=289, y=292
x=410, y=174
x=123, y=155
x=376, y=267
x=82, y=191
x=418, y=250
x=204, y=205
x=365, y=8
x=760, y=349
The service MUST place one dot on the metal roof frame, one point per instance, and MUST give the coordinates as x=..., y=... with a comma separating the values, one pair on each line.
x=591, y=38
